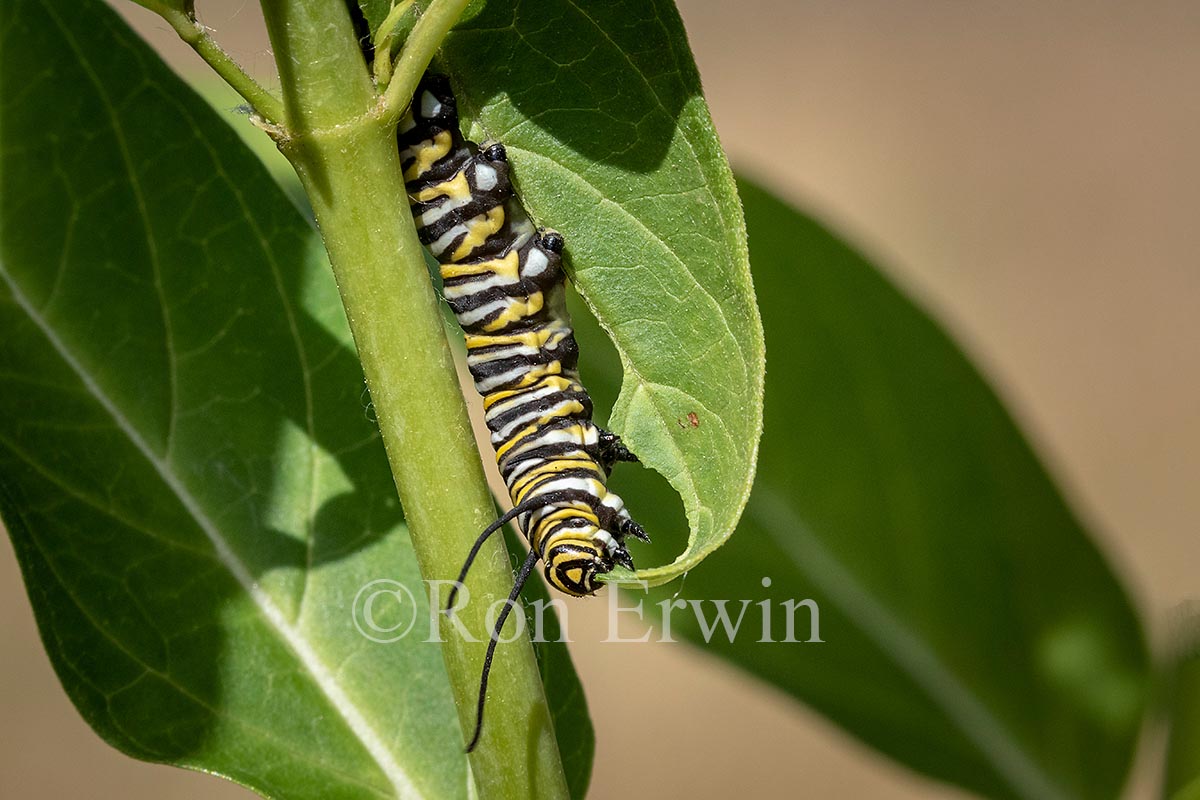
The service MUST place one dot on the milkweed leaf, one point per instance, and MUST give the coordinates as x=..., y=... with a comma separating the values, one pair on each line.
x=193, y=487
x=1182, y=778
x=967, y=625
x=600, y=109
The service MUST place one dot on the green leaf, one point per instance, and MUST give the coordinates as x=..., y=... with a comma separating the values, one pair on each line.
x=376, y=11
x=969, y=628
x=192, y=485
x=1182, y=780
x=600, y=109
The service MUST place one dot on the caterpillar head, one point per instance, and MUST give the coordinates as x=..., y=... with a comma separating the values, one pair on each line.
x=579, y=555
x=573, y=566
x=551, y=240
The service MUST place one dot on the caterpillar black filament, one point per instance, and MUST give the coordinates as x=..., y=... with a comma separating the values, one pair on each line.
x=505, y=283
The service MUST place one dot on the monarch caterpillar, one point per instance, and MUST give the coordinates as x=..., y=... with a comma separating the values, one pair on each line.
x=503, y=279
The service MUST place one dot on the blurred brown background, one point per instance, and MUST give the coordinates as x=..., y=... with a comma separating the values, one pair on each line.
x=1030, y=174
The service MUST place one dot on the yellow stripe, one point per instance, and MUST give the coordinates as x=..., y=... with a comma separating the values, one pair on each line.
x=567, y=513
x=478, y=230
x=516, y=437
x=516, y=311
x=456, y=188
x=554, y=381
x=547, y=541
x=549, y=469
x=507, y=267
x=535, y=338
x=574, y=433
x=596, y=488
x=560, y=515
x=429, y=153
x=537, y=372
x=558, y=412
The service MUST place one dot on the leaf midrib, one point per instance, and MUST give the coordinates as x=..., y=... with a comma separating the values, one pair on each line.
x=266, y=733
x=320, y=674
x=905, y=648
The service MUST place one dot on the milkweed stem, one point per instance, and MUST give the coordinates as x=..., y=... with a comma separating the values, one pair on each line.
x=423, y=42
x=265, y=104
x=346, y=155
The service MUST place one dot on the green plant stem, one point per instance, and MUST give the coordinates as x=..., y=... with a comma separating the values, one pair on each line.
x=266, y=105
x=422, y=43
x=383, y=42
x=345, y=152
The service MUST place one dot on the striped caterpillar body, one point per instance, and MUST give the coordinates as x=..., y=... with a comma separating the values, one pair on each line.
x=504, y=281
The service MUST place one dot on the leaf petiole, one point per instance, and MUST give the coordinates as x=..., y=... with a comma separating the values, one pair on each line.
x=383, y=43
x=423, y=42
x=266, y=105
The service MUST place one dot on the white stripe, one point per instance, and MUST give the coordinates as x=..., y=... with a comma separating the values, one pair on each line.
x=480, y=284
x=475, y=359
x=519, y=223
x=511, y=403
x=486, y=177
x=556, y=436
x=560, y=435
x=556, y=410
x=430, y=105
x=471, y=316
x=573, y=483
x=611, y=500
x=535, y=263
x=492, y=383
x=322, y=676
x=529, y=463
x=524, y=467
x=447, y=239
x=610, y=544
x=502, y=435
x=443, y=208
x=538, y=514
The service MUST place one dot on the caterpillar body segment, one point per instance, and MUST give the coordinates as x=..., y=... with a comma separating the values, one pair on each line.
x=504, y=281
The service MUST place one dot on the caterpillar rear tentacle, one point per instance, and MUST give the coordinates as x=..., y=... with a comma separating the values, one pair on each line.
x=503, y=279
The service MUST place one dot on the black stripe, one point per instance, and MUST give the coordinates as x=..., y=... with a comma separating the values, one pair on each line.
x=545, y=452
x=499, y=366
x=541, y=405
x=574, y=472
x=519, y=290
